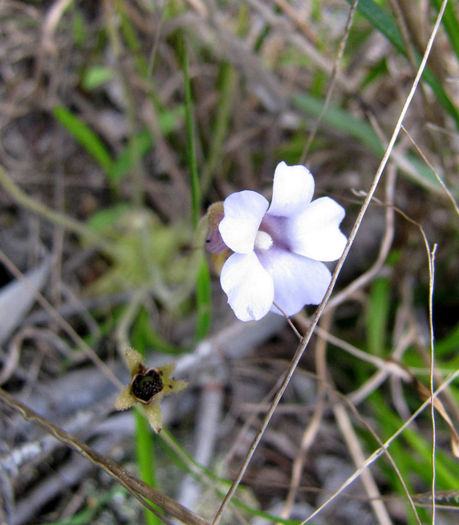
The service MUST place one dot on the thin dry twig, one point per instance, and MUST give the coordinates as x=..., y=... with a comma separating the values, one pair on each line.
x=320, y=309
x=434, y=171
x=383, y=448
x=333, y=77
x=356, y=452
x=432, y=377
x=136, y=487
x=313, y=428
x=296, y=20
x=47, y=213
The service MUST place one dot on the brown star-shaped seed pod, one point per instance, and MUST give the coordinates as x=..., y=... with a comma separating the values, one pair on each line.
x=147, y=387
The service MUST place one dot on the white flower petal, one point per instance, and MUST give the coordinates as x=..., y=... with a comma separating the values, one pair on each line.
x=248, y=285
x=315, y=232
x=298, y=281
x=244, y=211
x=293, y=189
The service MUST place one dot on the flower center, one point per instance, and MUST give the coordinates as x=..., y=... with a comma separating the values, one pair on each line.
x=263, y=241
x=146, y=385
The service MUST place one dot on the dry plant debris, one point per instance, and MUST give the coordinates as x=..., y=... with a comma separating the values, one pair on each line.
x=120, y=123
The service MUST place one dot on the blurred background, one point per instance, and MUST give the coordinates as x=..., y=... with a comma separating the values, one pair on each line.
x=120, y=123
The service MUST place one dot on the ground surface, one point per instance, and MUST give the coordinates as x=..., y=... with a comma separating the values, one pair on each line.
x=95, y=210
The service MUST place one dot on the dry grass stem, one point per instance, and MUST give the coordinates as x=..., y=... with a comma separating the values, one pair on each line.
x=136, y=487
x=377, y=454
x=301, y=348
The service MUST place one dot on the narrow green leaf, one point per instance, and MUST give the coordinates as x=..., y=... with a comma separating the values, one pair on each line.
x=203, y=280
x=146, y=459
x=191, y=153
x=96, y=76
x=85, y=136
x=341, y=120
x=377, y=314
x=227, y=88
x=448, y=343
x=203, y=300
x=145, y=452
x=447, y=475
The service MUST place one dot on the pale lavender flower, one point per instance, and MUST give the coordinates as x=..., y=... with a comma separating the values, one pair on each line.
x=278, y=247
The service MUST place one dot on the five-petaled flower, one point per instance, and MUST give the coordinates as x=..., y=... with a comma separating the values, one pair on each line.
x=147, y=387
x=278, y=248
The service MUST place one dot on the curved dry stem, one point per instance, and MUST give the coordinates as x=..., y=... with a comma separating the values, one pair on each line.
x=312, y=429
x=140, y=490
x=383, y=448
x=320, y=309
x=356, y=452
x=432, y=376
x=434, y=171
x=388, y=455
x=50, y=215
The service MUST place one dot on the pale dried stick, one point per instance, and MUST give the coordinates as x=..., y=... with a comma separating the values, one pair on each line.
x=357, y=414
x=250, y=421
x=350, y=436
x=140, y=490
x=206, y=432
x=50, y=215
x=356, y=452
x=383, y=448
x=333, y=77
x=376, y=361
x=404, y=31
x=313, y=428
x=432, y=377
x=448, y=396
x=350, y=85
x=392, y=369
x=47, y=44
x=302, y=346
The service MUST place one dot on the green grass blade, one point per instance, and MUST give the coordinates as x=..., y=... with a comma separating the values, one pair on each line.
x=85, y=136
x=145, y=455
x=447, y=475
x=228, y=84
x=377, y=314
x=145, y=451
x=203, y=281
x=96, y=76
x=203, y=300
x=191, y=152
x=183, y=459
x=449, y=343
x=340, y=120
